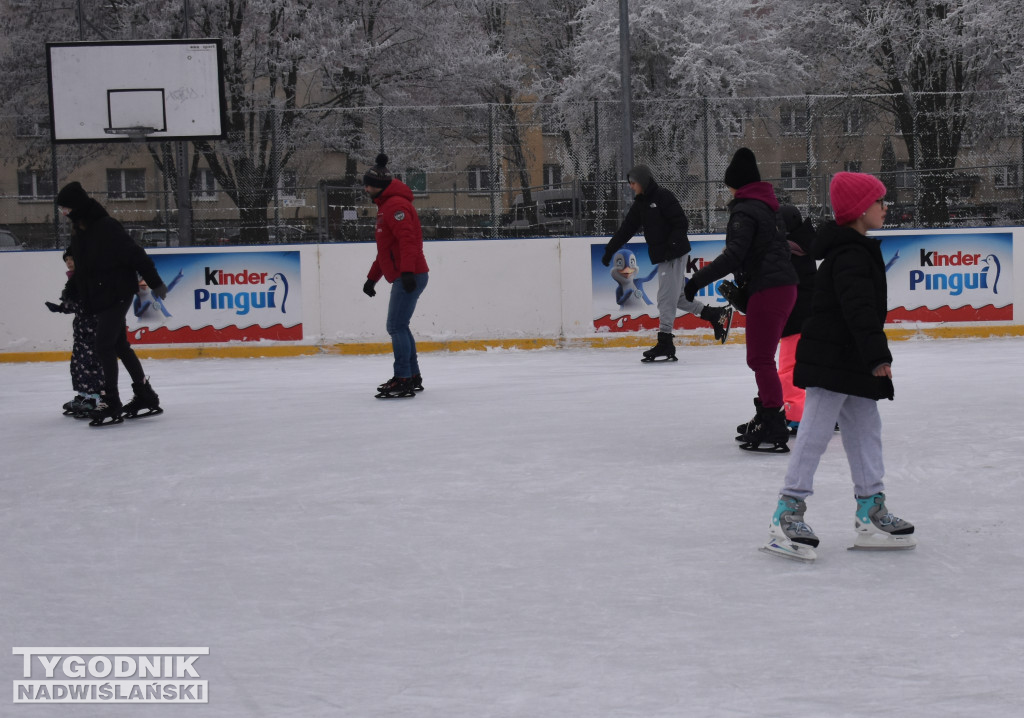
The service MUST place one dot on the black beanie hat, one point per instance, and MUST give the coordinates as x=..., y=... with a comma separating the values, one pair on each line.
x=742, y=170
x=378, y=175
x=641, y=174
x=67, y=253
x=73, y=197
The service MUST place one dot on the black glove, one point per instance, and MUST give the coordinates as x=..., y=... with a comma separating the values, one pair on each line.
x=59, y=308
x=606, y=260
x=368, y=289
x=409, y=282
x=159, y=290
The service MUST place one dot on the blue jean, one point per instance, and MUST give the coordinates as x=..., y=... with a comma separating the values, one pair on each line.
x=400, y=309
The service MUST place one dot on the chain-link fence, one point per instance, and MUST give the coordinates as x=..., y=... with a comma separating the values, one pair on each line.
x=497, y=171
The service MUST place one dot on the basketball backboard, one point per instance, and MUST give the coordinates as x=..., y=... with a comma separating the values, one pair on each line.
x=151, y=89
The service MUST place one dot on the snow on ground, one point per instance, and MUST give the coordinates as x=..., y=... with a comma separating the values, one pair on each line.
x=539, y=534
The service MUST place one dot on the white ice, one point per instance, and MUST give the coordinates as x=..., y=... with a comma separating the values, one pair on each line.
x=540, y=534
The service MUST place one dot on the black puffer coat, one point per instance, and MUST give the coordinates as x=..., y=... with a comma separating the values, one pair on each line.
x=801, y=238
x=756, y=252
x=664, y=223
x=843, y=341
x=107, y=260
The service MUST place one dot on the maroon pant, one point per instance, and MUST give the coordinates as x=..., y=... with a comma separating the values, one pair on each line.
x=767, y=312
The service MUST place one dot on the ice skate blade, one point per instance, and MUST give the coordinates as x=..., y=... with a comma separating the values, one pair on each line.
x=141, y=414
x=386, y=395
x=658, y=360
x=879, y=542
x=102, y=422
x=762, y=448
x=789, y=550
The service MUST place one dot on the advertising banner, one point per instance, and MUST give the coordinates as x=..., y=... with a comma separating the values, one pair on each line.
x=932, y=277
x=221, y=297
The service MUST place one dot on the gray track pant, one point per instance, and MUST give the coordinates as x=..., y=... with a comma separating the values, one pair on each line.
x=860, y=427
x=670, y=293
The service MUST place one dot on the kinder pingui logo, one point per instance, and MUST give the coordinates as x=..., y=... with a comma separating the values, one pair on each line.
x=110, y=675
x=955, y=273
x=261, y=291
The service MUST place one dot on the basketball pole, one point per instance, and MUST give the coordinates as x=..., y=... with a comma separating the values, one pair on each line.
x=184, y=195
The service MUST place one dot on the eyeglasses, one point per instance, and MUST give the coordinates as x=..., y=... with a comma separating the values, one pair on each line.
x=882, y=202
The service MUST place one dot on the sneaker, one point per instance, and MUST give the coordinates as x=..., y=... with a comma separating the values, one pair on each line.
x=788, y=522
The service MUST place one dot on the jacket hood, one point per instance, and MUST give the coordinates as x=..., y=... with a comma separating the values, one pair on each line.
x=831, y=236
x=396, y=188
x=762, y=191
x=90, y=212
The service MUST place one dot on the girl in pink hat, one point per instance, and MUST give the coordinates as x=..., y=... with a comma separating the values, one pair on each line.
x=843, y=362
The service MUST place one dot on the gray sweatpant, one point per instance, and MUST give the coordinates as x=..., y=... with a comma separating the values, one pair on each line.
x=860, y=427
x=670, y=293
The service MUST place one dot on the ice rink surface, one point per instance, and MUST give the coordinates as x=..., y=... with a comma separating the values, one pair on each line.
x=540, y=534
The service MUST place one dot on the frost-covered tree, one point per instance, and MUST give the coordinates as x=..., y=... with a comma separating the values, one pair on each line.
x=932, y=62
x=689, y=59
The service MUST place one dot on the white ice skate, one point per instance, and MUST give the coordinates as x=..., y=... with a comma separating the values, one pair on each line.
x=878, y=530
x=789, y=537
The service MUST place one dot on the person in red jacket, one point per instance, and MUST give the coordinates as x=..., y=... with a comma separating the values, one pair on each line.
x=399, y=257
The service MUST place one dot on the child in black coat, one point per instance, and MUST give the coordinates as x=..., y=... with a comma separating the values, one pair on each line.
x=843, y=362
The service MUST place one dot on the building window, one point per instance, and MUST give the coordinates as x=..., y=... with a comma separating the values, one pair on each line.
x=29, y=127
x=1005, y=176
x=417, y=181
x=904, y=177
x=852, y=166
x=552, y=176
x=288, y=183
x=126, y=184
x=853, y=122
x=794, y=175
x=793, y=119
x=205, y=187
x=734, y=126
x=479, y=178
x=35, y=184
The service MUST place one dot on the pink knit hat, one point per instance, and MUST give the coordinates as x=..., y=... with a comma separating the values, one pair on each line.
x=852, y=193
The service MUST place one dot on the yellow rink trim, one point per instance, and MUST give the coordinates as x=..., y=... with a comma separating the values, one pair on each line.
x=244, y=351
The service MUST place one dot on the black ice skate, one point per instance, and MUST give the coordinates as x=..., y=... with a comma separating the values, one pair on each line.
x=720, y=319
x=144, y=403
x=107, y=412
x=741, y=429
x=768, y=432
x=417, y=383
x=664, y=350
x=397, y=388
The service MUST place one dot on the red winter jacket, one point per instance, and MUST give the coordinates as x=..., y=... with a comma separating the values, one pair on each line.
x=399, y=236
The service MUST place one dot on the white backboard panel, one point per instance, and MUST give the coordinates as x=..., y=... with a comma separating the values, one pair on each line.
x=173, y=87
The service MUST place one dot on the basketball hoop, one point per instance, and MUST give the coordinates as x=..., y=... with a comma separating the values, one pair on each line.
x=137, y=133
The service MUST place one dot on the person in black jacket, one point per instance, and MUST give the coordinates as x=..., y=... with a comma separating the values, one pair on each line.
x=107, y=266
x=800, y=235
x=757, y=255
x=657, y=211
x=844, y=363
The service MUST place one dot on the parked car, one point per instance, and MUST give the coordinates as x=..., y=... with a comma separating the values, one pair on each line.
x=555, y=210
x=8, y=242
x=288, y=235
x=159, y=238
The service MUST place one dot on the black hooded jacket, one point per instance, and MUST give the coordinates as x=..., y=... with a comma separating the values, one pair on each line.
x=843, y=341
x=659, y=214
x=801, y=238
x=107, y=260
